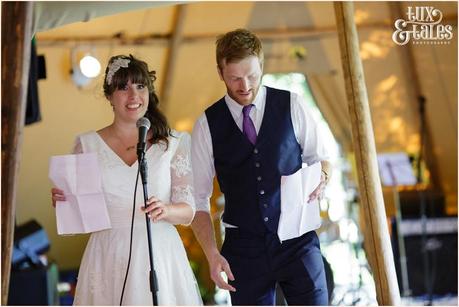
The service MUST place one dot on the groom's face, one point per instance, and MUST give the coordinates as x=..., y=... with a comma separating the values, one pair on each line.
x=242, y=79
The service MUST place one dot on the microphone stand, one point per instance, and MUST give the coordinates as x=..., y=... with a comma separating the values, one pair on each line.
x=423, y=213
x=400, y=239
x=143, y=175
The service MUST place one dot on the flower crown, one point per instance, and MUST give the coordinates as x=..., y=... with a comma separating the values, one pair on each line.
x=114, y=66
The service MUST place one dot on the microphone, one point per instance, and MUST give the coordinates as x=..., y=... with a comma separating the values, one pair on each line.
x=143, y=124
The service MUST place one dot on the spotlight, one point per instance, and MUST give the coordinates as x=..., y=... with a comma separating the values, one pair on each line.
x=89, y=66
x=85, y=66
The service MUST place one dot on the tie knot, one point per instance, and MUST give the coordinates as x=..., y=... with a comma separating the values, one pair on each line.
x=246, y=110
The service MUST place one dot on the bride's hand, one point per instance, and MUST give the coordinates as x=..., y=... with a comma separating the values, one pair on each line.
x=156, y=209
x=57, y=195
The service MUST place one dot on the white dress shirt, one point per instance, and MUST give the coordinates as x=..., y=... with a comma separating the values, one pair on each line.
x=304, y=126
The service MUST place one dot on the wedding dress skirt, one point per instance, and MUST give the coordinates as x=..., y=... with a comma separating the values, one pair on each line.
x=105, y=260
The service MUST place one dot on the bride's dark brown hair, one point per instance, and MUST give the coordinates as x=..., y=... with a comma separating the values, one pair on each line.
x=137, y=72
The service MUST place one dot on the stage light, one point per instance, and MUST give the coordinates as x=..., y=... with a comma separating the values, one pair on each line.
x=85, y=66
x=90, y=66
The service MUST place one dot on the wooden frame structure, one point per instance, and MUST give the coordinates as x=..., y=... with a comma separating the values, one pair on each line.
x=16, y=43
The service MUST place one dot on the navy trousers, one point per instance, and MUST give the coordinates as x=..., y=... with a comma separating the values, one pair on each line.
x=258, y=262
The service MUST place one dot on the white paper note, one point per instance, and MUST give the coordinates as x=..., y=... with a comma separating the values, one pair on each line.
x=297, y=215
x=395, y=169
x=85, y=209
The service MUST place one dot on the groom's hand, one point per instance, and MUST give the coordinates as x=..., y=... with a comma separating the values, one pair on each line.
x=217, y=265
x=318, y=192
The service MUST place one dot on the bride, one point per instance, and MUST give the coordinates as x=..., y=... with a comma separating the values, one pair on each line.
x=128, y=86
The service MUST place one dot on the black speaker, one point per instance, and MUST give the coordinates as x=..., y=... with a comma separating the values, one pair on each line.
x=410, y=203
x=34, y=286
x=438, y=250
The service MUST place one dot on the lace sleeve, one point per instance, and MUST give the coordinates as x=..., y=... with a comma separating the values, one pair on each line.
x=77, y=147
x=181, y=175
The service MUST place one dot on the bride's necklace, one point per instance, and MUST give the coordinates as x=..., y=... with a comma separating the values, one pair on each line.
x=128, y=148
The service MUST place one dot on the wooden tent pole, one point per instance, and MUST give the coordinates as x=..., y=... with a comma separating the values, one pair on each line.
x=16, y=44
x=171, y=56
x=377, y=238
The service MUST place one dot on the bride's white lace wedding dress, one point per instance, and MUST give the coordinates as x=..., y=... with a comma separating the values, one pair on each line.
x=104, y=263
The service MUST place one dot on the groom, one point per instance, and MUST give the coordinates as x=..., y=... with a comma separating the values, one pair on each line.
x=249, y=139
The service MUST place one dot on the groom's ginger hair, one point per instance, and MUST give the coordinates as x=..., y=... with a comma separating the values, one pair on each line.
x=237, y=45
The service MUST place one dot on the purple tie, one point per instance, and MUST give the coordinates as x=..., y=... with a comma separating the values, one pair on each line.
x=247, y=125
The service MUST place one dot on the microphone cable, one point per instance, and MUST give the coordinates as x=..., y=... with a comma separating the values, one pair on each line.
x=130, y=240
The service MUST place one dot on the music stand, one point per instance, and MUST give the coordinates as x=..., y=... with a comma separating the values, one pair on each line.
x=395, y=170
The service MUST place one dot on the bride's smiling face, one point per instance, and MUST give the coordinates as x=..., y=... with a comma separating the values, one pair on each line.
x=130, y=102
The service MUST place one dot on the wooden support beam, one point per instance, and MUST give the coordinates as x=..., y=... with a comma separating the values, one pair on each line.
x=105, y=40
x=377, y=240
x=171, y=56
x=16, y=40
x=263, y=34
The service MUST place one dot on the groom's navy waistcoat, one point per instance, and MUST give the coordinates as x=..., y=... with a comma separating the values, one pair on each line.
x=249, y=175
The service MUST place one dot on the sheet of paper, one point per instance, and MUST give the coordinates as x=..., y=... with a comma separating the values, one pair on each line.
x=297, y=215
x=395, y=169
x=85, y=209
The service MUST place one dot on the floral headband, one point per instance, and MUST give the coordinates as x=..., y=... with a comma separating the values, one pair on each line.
x=115, y=66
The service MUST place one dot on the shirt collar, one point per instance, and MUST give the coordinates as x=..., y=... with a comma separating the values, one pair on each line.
x=236, y=108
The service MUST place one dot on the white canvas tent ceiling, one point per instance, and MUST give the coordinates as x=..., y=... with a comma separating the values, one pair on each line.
x=178, y=41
